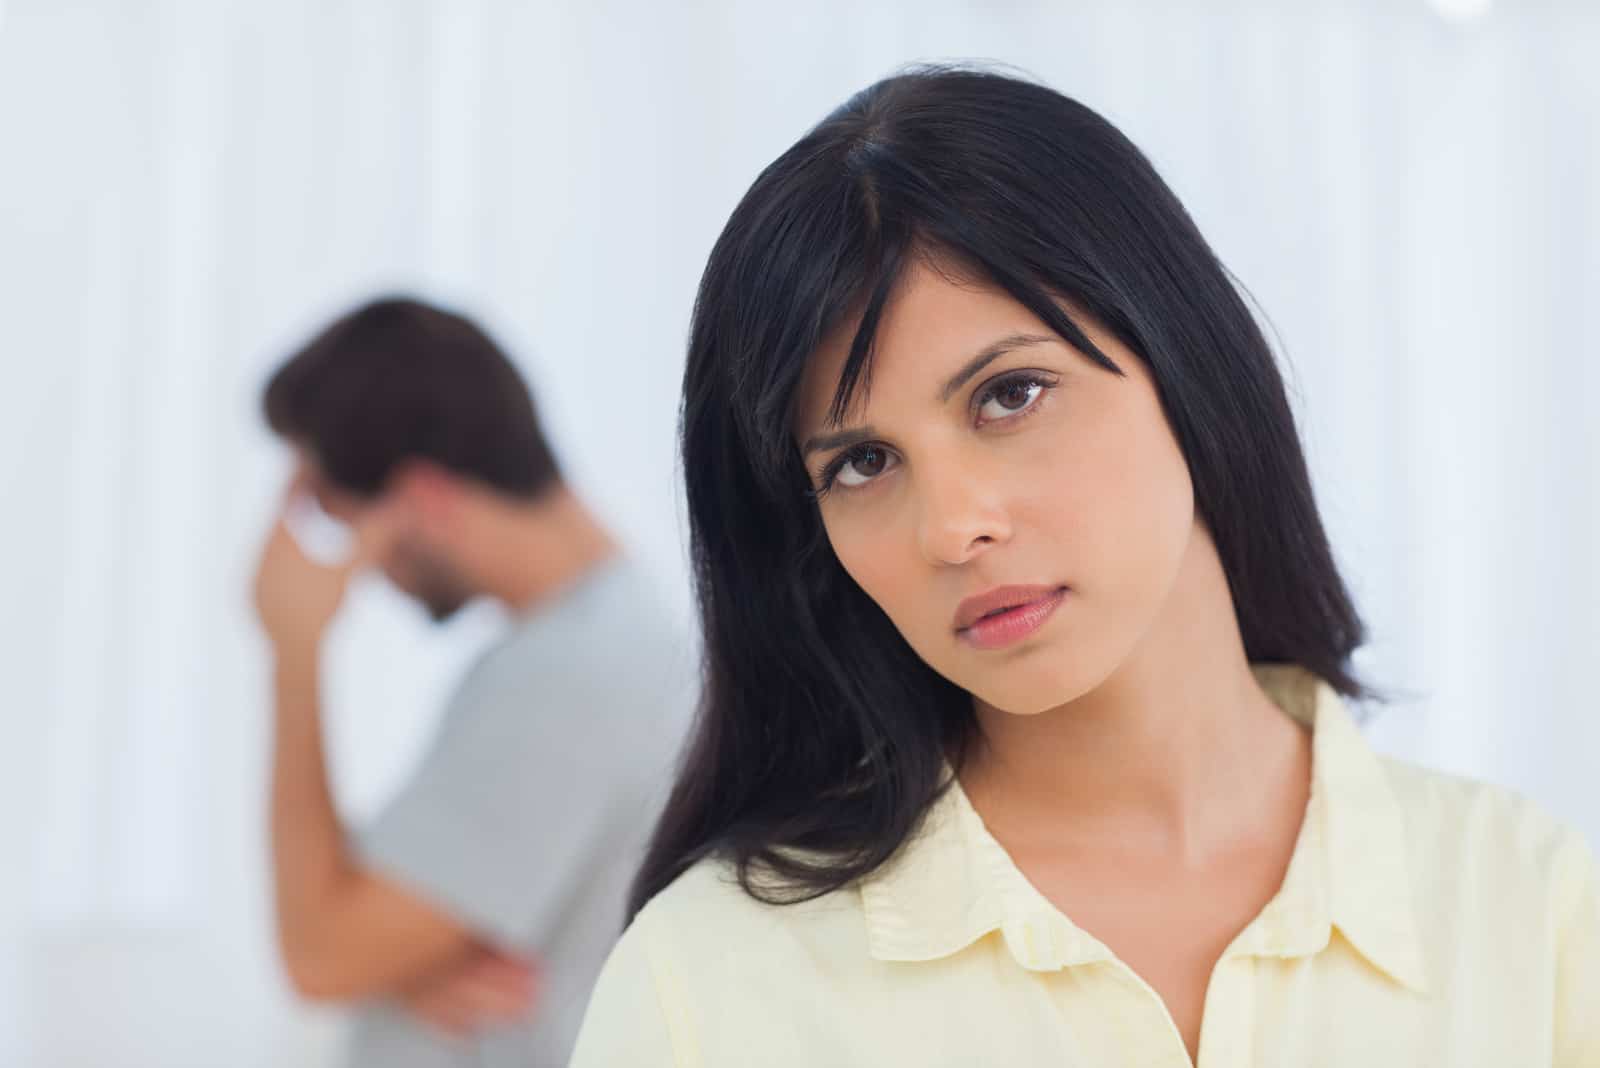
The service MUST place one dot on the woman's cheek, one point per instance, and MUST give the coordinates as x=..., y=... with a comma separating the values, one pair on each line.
x=867, y=556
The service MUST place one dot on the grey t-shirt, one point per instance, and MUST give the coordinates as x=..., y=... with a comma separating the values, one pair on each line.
x=528, y=816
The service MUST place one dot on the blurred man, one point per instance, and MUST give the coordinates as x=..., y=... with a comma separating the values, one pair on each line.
x=471, y=919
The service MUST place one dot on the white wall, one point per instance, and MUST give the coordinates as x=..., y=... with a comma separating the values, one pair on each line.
x=188, y=186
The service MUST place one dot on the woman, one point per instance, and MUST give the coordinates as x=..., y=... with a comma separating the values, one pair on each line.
x=1024, y=737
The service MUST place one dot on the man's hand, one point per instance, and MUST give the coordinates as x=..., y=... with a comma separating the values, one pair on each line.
x=486, y=988
x=295, y=596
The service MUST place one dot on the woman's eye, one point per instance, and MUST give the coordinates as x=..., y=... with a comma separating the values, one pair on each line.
x=1009, y=397
x=862, y=464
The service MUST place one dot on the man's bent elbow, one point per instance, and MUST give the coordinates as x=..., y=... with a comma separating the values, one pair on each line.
x=314, y=974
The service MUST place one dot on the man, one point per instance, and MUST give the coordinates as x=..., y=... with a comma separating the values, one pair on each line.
x=470, y=920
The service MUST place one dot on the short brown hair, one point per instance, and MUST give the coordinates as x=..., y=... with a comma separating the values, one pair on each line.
x=398, y=379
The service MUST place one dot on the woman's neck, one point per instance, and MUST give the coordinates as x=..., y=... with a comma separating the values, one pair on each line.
x=1176, y=752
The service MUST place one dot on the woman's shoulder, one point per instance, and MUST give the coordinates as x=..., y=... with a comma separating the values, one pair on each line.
x=708, y=890
x=672, y=960
x=709, y=897
x=1463, y=803
x=1459, y=826
x=706, y=968
x=719, y=939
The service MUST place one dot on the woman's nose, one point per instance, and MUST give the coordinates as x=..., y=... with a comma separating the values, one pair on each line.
x=961, y=516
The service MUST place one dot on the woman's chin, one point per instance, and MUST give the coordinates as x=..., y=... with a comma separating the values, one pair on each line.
x=1028, y=699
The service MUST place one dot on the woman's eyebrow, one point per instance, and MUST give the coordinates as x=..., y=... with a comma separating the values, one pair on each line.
x=819, y=442
x=988, y=355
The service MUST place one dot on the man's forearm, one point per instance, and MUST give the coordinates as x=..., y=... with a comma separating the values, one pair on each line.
x=308, y=849
x=345, y=932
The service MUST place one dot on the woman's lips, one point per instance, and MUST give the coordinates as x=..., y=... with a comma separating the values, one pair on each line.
x=1012, y=624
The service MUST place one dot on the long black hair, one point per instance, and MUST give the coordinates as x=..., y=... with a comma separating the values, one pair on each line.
x=821, y=736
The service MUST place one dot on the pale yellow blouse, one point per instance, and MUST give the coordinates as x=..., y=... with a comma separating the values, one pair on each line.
x=1424, y=920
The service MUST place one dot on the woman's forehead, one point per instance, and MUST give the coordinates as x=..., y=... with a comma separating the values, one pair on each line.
x=931, y=323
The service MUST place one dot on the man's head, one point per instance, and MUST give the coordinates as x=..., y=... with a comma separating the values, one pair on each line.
x=406, y=407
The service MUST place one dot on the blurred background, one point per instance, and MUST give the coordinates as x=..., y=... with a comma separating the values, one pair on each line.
x=1409, y=190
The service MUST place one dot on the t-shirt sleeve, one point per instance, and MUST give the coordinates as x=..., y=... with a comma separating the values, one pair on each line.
x=1577, y=929
x=627, y=1023
x=510, y=809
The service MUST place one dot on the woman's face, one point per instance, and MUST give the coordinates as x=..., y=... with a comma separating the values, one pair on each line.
x=986, y=453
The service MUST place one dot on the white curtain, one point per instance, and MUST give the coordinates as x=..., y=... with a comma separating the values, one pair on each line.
x=1411, y=193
